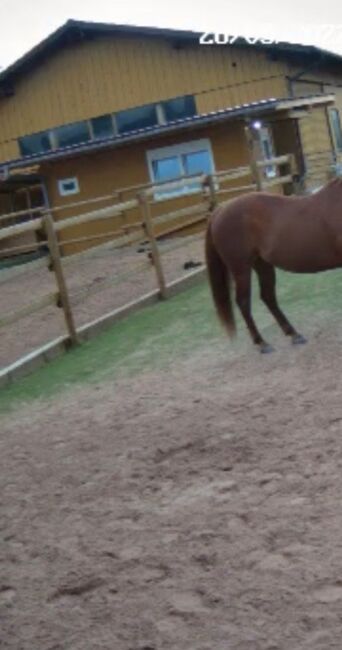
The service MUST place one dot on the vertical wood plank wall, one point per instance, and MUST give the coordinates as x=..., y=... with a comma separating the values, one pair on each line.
x=316, y=144
x=101, y=173
x=108, y=74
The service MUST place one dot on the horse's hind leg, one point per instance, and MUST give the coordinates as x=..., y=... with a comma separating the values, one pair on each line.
x=242, y=280
x=267, y=281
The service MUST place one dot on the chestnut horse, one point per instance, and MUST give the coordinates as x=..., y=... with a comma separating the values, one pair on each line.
x=260, y=231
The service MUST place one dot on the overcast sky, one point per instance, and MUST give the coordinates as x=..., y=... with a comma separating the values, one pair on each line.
x=23, y=23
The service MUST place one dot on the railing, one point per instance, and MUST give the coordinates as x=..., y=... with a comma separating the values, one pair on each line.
x=318, y=168
x=153, y=222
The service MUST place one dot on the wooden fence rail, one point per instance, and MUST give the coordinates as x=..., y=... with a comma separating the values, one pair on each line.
x=29, y=226
x=119, y=208
x=210, y=190
x=279, y=160
x=18, y=214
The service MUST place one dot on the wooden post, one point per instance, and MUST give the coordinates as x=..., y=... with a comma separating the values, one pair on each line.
x=148, y=227
x=56, y=266
x=292, y=164
x=209, y=183
x=256, y=172
x=291, y=171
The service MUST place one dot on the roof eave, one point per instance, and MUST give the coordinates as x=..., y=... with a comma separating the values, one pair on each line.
x=88, y=28
x=245, y=111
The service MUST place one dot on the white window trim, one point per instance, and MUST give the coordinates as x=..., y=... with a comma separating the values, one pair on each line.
x=160, y=113
x=65, y=192
x=266, y=134
x=338, y=150
x=174, y=150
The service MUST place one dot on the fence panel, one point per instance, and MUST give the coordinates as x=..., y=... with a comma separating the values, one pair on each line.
x=153, y=251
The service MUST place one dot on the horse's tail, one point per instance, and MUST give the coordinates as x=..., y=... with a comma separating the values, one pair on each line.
x=219, y=279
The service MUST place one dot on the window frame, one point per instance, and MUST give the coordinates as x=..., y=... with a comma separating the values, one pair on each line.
x=53, y=136
x=34, y=135
x=338, y=150
x=270, y=171
x=93, y=138
x=58, y=129
x=173, y=99
x=151, y=106
x=171, y=151
x=62, y=191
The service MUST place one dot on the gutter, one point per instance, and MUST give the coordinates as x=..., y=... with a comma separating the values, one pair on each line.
x=245, y=110
x=263, y=106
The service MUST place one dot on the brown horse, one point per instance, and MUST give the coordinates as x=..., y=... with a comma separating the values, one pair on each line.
x=260, y=231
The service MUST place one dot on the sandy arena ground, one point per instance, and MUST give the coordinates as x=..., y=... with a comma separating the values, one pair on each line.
x=193, y=509
x=131, y=271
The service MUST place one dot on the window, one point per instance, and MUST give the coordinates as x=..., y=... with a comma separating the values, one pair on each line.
x=197, y=162
x=178, y=108
x=108, y=125
x=72, y=134
x=167, y=169
x=102, y=126
x=267, y=150
x=36, y=143
x=169, y=163
x=136, y=118
x=67, y=186
x=336, y=129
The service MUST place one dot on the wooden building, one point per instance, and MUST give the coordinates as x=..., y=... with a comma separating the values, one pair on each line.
x=97, y=107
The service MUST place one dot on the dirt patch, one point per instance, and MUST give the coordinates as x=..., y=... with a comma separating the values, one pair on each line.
x=195, y=508
x=132, y=276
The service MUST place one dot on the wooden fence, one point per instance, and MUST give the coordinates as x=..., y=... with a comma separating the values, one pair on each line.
x=153, y=224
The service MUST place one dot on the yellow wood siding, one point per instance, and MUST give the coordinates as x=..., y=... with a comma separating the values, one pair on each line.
x=316, y=144
x=9, y=150
x=327, y=80
x=113, y=73
x=302, y=88
x=315, y=132
x=100, y=174
x=337, y=90
x=321, y=74
x=242, y=93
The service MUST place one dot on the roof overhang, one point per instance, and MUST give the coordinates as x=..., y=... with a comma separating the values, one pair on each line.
x=78, y=30
x=11, y=180
x=245, y=112
x=302, y=102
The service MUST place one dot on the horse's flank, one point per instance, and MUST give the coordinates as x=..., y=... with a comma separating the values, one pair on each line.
x=300, y=234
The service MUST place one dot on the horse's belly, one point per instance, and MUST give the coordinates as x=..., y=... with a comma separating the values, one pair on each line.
x=305, y=266
x=303, y=259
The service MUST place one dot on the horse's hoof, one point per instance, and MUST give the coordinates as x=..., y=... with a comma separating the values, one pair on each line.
x=298, y=339
x=265, y=348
